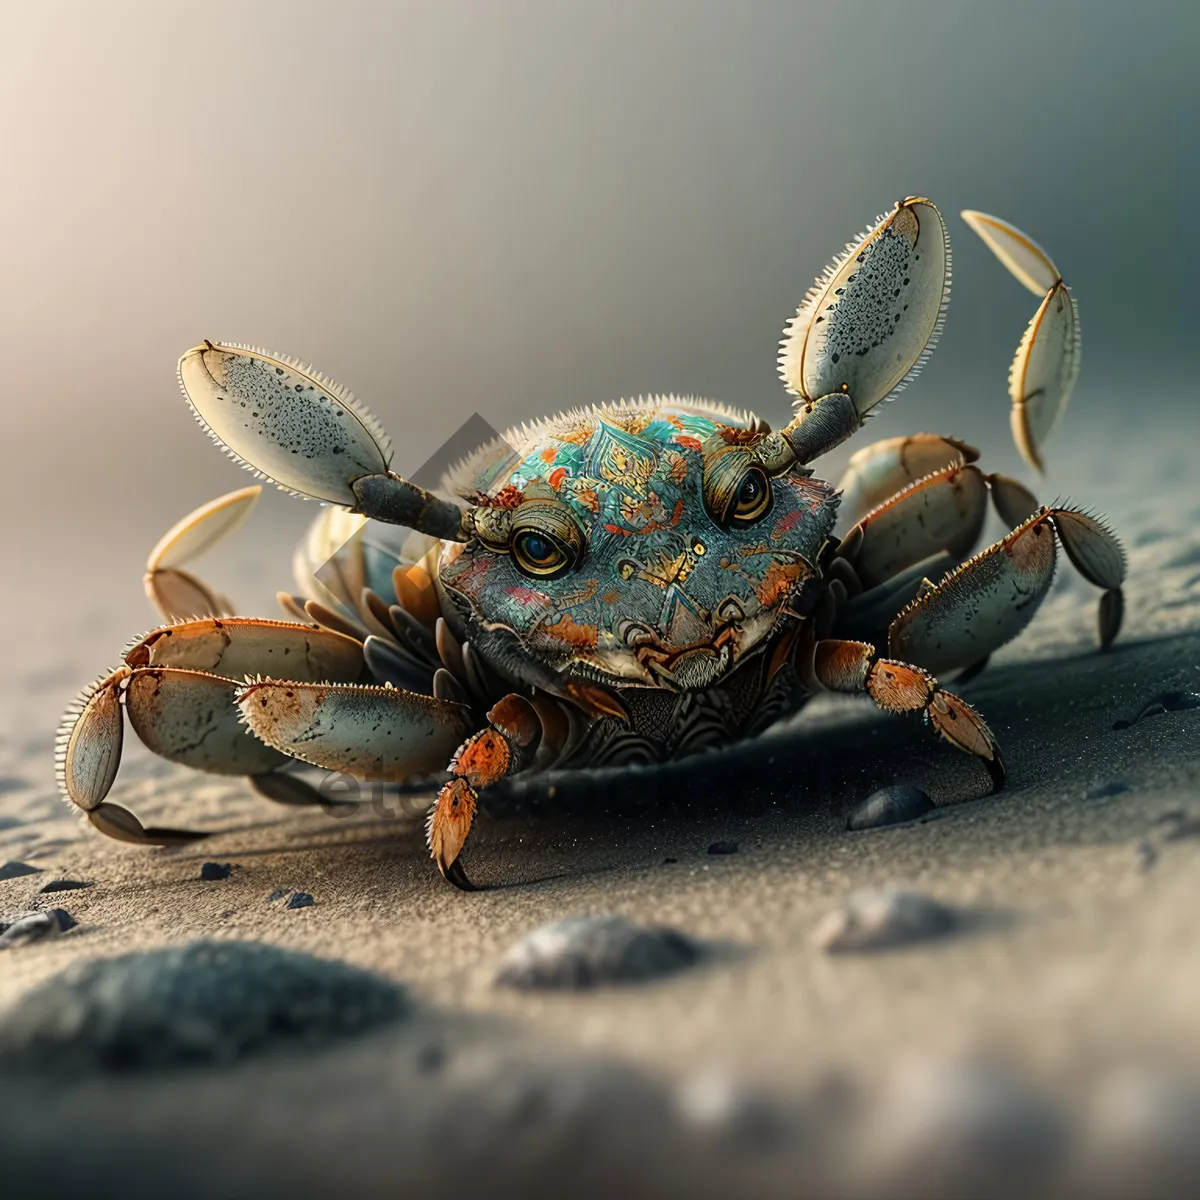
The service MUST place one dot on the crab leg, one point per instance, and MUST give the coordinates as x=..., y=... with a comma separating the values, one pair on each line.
x=1046, y=364
x=177, y=687
x=877, y=472
x=944, y=511
x=987, y=601
x=505, y=747
x=177, y=593
x=901, y=687
x=380, y=733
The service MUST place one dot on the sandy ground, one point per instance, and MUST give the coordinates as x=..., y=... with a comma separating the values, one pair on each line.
x=1065, y=1003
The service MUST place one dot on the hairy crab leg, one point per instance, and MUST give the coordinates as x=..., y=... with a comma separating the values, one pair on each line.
x=943, y=511
x=507, y=746
x=177, y=686
x=878, y=471
x=1046, y=364
x=865, y=328
x=987, y=601
x=379, y=733
x=298, y=428
x=177, y=593
x=854, y=667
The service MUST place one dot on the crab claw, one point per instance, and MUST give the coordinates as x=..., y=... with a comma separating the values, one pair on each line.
x=1046, y=364
x=295, y=427
x=289, y=424
x=872, y=319
x=176, y=593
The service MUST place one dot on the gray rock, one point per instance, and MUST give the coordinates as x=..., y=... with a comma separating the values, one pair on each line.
x=583, y=952
x=212, y=871
x=875, y=919
x=63, y=885
x=34, y=927
x=1106, y=791
x=893, y=805
x=723, y=848
x=301, y=900
x=204, y=1002
x=14, y=870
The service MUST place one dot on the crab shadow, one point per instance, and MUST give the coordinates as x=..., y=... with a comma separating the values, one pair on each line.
x=796, y=784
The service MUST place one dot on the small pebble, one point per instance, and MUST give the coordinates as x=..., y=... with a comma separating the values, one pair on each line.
x=301, y=900
x=204, y=1002
x=584, y=952
x=34, y=927
x=723, y=848
x=14, y=870
x=1103, y=791
x=878, y=919
x=63, y=885
x=895, y=805
x=212, y=871
x=667, y=862
x=276, y=895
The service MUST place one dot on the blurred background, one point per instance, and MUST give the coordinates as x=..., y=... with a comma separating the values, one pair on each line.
x=515, y=207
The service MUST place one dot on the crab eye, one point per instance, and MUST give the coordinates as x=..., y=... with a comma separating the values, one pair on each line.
x=545, y=541
x=536, y=554
x=752, y=500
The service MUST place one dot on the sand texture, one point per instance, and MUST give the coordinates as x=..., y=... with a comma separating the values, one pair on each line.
x=1046, y=1036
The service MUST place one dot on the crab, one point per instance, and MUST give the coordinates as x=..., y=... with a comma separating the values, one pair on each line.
x=628, y=583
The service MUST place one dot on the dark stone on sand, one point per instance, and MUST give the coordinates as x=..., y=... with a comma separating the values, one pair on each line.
x=14, y=870
x=212, y=871
x=1105, y=791
x=667, y=862
x=34, y=927
x=301, y=900
x=723, y=848
x=877, y=919
x=205, y=1002
x=584, y=952
x=895, y=805
x=63, y=885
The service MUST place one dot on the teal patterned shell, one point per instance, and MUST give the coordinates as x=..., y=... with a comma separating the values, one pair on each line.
x=663, y=591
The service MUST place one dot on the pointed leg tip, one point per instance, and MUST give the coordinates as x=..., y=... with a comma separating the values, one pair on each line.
x=455, y=874
x=1112, y=610
x=997, y=770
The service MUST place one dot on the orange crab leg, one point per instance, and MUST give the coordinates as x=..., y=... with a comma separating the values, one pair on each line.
x=485, y=758
x=840, y=666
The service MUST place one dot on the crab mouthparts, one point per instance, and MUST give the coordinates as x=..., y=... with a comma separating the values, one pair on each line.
x=689, y=667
